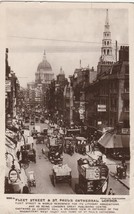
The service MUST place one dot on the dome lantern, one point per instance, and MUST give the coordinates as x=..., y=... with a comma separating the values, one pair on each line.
x=44, y=65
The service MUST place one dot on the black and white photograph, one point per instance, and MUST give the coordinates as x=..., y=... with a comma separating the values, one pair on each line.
x=67, y=112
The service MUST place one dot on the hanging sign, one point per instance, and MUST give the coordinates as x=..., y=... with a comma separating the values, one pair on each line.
x=8, y=85
x=13, y=175
x=101, y=108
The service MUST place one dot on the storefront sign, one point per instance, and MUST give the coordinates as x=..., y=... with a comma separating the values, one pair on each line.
x=125, y=131
x=101, y=108
x=8, y=85
x=93, y=173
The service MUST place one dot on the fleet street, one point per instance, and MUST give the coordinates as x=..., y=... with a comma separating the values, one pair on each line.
x=43, y=179
x=69, y=133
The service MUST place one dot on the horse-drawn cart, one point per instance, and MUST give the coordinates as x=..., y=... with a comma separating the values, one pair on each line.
x=61, y=173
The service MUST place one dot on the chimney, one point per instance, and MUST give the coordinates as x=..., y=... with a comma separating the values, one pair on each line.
x=124, y=53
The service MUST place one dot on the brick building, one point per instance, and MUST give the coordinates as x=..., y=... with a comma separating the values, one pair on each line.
x=108, y=96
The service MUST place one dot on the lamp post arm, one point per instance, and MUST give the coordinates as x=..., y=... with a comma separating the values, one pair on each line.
x=7, y=153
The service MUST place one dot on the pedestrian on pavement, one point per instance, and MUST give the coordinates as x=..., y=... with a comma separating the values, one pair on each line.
x=92, y=147
x=123, y=161
x=110, y=192
x=18, y=154
x=26, y=189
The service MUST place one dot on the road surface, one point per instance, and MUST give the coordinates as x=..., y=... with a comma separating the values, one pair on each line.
x=43, y=174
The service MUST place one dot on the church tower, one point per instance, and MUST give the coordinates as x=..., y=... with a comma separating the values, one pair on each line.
x=106, y=60
x=106, y=49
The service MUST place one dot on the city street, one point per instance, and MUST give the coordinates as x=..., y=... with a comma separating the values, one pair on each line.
x=43, y=172
x=78, y=82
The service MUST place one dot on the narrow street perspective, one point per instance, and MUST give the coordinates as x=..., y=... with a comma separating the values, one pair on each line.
x=67, y=102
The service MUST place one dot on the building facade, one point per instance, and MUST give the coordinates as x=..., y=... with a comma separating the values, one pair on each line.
x=108, y=96
x=11, y=90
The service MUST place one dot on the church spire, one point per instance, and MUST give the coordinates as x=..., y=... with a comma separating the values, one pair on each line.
x=106, y=49
x=107, y=18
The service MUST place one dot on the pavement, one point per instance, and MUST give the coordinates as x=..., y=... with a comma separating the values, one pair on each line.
x=112, y=166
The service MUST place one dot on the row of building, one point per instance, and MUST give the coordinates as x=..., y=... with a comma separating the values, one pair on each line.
x=12, y=90
x=104, y=101
x=98, y=98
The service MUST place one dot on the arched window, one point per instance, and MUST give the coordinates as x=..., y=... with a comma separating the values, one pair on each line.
x=107, y=42
x=104, y=51
x=107, y=51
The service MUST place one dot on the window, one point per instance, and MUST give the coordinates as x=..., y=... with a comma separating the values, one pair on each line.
x=126, y=105
x=104, y=51
x=126, y=86
x=126, y=69
x=107, y=42
x=107, y=51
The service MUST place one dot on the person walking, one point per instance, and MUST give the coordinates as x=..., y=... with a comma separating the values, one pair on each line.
x=18, y=154
x=111, y=192
x=92, y=147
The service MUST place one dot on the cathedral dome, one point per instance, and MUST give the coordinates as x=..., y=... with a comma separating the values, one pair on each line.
x=44, y=73
x=44, y=65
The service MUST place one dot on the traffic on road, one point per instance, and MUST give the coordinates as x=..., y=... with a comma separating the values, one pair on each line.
x=56, y=160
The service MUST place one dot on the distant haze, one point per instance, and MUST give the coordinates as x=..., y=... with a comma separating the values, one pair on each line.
x=31, y=30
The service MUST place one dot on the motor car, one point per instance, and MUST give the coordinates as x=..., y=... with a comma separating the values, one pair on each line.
x=61, y=173
x=69, y=144
x=73, y=132
x=27, y=120
x=80, y=145
x=42, y=120
x=37, y=119
x=52, y=153
x=32, y=155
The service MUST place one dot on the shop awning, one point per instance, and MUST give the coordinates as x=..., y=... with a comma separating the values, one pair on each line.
x=9, y=143
x=112, y=140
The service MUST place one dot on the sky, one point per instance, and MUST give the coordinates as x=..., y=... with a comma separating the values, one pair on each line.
x=68, y=35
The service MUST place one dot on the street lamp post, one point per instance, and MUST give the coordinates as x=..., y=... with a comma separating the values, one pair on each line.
x=13, y=175
x=13, y=166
